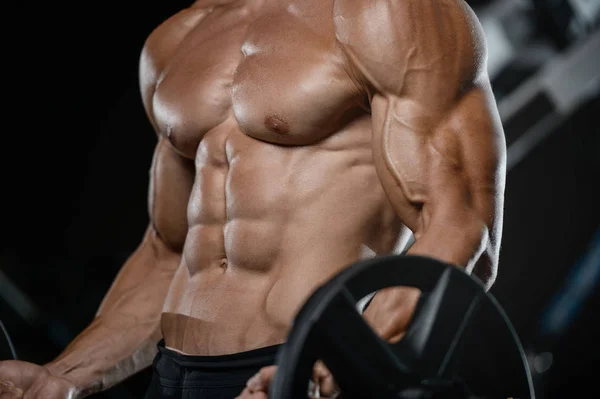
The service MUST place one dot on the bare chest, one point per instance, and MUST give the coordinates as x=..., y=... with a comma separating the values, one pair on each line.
x=276, y=70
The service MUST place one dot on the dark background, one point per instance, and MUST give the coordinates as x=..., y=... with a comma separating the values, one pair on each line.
x=77, y=149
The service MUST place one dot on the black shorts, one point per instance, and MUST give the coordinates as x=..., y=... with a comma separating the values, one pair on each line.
x=205, y=377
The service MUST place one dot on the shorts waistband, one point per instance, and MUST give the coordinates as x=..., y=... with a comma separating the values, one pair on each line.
x=259, y=357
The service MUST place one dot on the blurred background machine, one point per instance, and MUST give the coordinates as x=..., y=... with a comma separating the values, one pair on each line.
x=545, y=67
x=71, y=217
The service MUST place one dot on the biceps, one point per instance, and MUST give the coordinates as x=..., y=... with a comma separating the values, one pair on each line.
x=171, y=180
x=433, y=165
x=400, y=130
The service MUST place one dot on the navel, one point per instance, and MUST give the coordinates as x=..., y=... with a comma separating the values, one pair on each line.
x=223, y=263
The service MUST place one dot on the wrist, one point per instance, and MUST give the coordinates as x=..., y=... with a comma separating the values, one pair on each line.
x=82, y=384
x=391, y=310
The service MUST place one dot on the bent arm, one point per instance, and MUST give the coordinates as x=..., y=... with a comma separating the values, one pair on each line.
x=438, y=144
x=454, y=200
x=121, y=340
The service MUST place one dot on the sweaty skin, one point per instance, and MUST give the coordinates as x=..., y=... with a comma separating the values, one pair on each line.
x=295, y=137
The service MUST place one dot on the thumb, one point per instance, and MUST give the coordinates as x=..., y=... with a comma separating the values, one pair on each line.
x=10, y=388
x=261, y=380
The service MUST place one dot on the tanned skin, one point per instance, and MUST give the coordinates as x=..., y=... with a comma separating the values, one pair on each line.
x=295, y=137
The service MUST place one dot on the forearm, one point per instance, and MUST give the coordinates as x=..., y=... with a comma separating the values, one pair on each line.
x=108, y=351
x=460, y=243
x=121, y=340
x=464, y=246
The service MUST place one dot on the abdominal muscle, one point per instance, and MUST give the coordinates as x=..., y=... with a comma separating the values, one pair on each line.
x=266, y=229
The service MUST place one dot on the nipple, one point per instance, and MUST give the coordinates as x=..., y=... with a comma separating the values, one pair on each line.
x=276, y=124
x=170, y=135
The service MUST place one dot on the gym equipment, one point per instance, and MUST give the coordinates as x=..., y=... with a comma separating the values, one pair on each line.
x=7, y=349
x=444, y=352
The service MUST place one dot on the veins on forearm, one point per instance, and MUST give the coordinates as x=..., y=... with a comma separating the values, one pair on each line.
x=96, y=360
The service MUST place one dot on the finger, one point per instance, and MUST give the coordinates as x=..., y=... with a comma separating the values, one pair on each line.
x=43, y=389
x=10, y=390
x=333, y=395
x=8, y=386
x=320, y=371
x=328, y=386
x=267, y=374
x=261, y=380
x=247, y=394
x=323, y=377
x=11, y=372
x=244, y=395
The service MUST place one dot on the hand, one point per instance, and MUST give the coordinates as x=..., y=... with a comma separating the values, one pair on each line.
x=27, y=380
x=391, y=311
x=257, y=387
x=322, y=385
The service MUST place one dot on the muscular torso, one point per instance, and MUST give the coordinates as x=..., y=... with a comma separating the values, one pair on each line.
x=261, y=99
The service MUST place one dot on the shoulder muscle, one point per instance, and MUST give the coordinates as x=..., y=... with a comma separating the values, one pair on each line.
x=160, y=46
x=411, y=46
